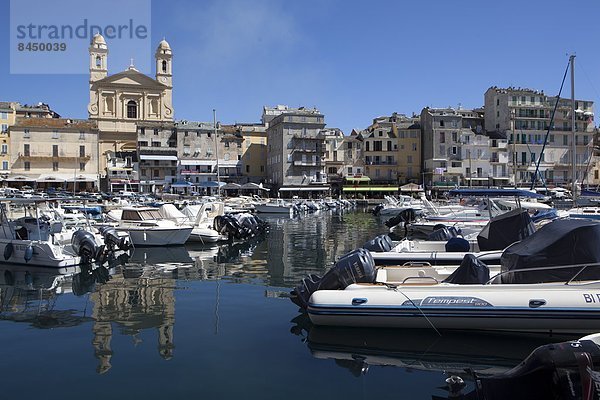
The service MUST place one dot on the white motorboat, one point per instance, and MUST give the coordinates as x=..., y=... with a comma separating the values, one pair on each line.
x=275, y=206
x=202, y=218
x=550, y=282
x=36, y=238
x=448, y=249
x=147, y=227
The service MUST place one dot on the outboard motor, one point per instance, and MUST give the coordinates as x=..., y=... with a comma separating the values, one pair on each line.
x=380, y=243
x=113, y=240
x=85, y=245
x=357, y=266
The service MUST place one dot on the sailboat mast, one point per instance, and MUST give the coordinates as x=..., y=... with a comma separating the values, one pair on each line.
x=573, y=130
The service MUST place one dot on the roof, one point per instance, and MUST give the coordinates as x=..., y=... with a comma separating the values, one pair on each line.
x=133, y=74
x=54, y=123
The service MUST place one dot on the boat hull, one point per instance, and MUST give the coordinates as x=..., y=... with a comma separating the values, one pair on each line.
x=157, y=236
x=556, y=308
x=43, y=254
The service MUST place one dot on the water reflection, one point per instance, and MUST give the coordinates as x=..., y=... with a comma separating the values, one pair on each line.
x=131, y=305
x=29, y=294
x=454, y=353
x=137, y=292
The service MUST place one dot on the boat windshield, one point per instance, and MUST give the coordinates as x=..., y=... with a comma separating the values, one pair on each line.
x=150, y=214
x=140, y=215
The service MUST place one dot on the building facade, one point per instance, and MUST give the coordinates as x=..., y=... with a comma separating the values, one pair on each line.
x=56, y=152
x=524, y=117
x=296, y=148
x=119, y=102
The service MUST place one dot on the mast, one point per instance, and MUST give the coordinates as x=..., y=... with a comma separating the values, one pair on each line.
x=573, y=130
x=217, y=152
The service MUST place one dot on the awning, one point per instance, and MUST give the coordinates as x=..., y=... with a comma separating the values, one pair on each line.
x=369, y=189
x=358, y=179
x=231, y=186
x=182, y=184
x=305, y=189
x=228, y=164
x=198, y=162
x=83, y=178
x=21, y=178
x=157, y=158
x=252, y=186
x=208, y=184
x=49, y=179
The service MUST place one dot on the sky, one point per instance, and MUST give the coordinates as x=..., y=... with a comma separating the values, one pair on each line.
x=353, y=60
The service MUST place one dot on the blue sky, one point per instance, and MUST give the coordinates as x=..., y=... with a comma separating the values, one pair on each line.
x=354, y=60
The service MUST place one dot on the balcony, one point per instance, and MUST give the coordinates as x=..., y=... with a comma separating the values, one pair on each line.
x=166, y=151
x=59, y=157
x=307, y=163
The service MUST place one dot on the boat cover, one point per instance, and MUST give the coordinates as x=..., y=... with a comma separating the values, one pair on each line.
x=505, y=229
x=562, y=242
x=471, y=271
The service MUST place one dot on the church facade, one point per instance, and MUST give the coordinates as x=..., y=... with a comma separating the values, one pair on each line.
x=122, y=101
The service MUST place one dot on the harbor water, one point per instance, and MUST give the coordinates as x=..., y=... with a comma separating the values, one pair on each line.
x=215, y=322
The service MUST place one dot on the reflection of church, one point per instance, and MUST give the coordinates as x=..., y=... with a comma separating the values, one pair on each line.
x=120, y=102
x=132, y=305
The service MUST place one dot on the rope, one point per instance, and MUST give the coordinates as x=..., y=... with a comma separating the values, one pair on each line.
x=537, y=166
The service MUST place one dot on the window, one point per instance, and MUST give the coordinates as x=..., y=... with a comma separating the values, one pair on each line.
x=349, y=145
x=131, y=109
x=26, y=133
x=4, y=148
x=26, y=152
x=81, y=151
x=156, y=173
x=143, y=143
x=156, y=132
x=143, y=171
x=239, y=144
x=367, y=147
x=262, y=168
x=4, y=128
x=26, y=165
x=156, y=144
x=82, y=166
x=414, y=147
x=349, y=170
x=409, y=159
x=54, y=150
x=55, y=166
x=82, y=135
x=247, y=169
x=239, y=157
x=389, y=145
x=98, y=61
x=55, y=134
x=5, y=165
x=142, y=131
x=164, y=66
x=3, y=115
x=565, y=140
x=442, y=123
x=226, y=144
x=442, y=137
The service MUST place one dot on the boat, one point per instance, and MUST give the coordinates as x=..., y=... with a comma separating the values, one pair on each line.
x=549, y=282
x=146, y=226
x=202, y=218
x=276, y=206
x=37, y=238
x=446, y=247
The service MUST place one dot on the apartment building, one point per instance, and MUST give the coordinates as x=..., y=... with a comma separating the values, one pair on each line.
x=524, y=117
x=56, y=152
x=296, y=148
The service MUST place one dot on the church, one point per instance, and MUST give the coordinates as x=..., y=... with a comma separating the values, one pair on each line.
x=119, y=103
